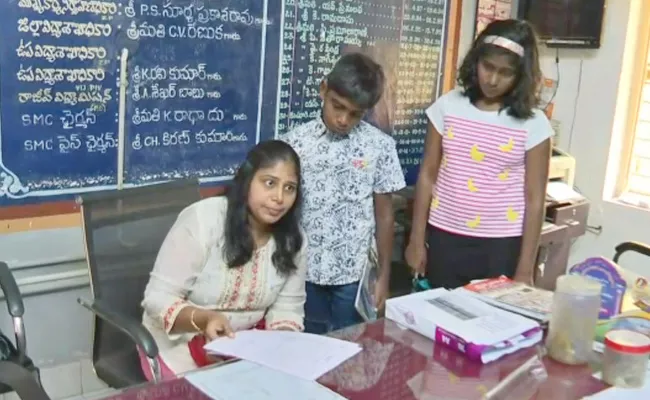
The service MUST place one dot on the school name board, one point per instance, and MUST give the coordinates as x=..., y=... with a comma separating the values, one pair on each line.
x=189, y=86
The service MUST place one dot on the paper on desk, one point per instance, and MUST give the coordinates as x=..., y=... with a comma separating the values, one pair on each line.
x=462, y=322
x=615, y=393
x=300, y=354
x=246, y=380
x=561, y=192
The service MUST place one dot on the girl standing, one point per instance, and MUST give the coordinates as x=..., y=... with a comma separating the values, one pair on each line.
x=482, y=181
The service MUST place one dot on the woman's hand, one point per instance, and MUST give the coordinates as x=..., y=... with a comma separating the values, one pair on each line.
x=416, y=257
x=216, y=326
x=284, y=328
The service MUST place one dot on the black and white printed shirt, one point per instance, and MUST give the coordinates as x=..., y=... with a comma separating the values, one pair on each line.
x=340, y=174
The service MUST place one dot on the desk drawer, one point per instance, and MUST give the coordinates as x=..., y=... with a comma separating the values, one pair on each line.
x=554, y=234
x=573, y=215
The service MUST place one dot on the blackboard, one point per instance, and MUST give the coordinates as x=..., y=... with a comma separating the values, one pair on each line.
x=206, y=81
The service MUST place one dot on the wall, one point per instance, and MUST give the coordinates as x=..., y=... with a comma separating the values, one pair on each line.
x=585, y=106
x=51, y=273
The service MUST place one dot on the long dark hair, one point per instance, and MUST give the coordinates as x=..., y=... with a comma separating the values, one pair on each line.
x=239, y=245
x=521, y=100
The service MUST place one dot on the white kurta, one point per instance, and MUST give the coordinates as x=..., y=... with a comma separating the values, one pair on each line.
x=190, y=270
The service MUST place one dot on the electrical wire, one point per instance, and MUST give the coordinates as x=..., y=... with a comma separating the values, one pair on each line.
x=557, y=84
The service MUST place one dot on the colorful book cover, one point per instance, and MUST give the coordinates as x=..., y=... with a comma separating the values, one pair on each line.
x=613, y=284
x=513, y=296
x=625, y=296
x=635, y=320
x=619, y=286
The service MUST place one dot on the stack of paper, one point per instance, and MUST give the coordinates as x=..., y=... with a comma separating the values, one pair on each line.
x=462, y=322
x=300, y=354
x=245, y=380
x=561, y=192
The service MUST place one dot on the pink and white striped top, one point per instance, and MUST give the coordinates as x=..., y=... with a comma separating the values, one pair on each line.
x=480, y=187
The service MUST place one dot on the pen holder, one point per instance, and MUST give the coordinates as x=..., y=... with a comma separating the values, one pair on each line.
x=574, y=315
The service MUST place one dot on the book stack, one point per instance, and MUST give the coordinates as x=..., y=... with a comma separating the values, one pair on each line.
x=460, y=321
x=513, y=296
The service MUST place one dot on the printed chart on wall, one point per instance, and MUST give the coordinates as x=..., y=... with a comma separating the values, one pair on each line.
x=205, y=80
x=491, y=10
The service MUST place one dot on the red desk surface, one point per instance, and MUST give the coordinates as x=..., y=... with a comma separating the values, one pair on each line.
x=398, y=364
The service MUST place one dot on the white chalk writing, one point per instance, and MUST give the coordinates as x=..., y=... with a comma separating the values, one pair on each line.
x=186, y=137
x=65, y=144
x=54, y=53
x=160, y=31
x=52, y=76
x=143, y=116
x=194, y=13
x=59, y=29
x=70, y=98
x=71, y=7
x=174, y=73
x=171, y=91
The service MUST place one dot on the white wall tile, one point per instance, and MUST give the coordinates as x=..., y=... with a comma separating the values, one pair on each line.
x=90, y=383
x=62, y=381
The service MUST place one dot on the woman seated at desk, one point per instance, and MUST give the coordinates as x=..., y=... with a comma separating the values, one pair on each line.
x=230, y=263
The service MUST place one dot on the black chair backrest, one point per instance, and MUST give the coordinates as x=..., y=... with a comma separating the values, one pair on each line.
x=123, y=232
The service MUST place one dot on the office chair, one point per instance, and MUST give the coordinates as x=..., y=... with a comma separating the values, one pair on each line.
x=15, y=354
x=123, y=231
x=635, y=247
x=22, y=381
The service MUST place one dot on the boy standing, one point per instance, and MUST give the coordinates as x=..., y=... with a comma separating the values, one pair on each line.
x=349, y=171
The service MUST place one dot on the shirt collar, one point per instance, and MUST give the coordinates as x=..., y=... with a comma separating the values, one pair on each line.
x=321, y=130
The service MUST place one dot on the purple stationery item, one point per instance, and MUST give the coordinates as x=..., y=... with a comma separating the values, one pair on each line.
x=613, y=284
x=461, y=322
x=473, y=351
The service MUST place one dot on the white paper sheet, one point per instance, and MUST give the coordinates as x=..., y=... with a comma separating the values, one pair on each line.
x=614, y=393
x=561, y=192
x=249, y=381
x=303, y=355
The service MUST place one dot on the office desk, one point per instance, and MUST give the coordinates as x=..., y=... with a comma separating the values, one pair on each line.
x=396, y=364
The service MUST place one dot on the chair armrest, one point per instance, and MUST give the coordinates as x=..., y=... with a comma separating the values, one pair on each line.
x=136, y=331
x=22, y=381
x=636, y=247
x=15, y=304
x=16, y=308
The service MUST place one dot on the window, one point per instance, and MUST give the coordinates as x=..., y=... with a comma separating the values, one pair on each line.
x=638, y=179
x=634, y=185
